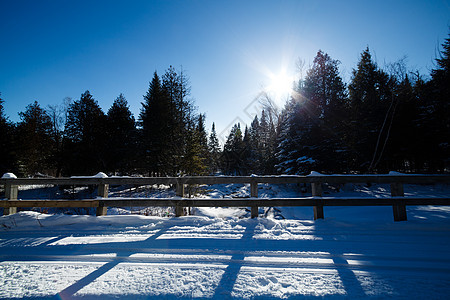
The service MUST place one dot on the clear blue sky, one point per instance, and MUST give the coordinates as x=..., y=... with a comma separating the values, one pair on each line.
x=50, y=50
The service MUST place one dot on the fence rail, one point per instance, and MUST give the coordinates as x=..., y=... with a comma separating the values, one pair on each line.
x=283, y=179
x=397, y=199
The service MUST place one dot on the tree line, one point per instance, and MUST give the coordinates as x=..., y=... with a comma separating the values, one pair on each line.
x=382, y=120
x=78, y=138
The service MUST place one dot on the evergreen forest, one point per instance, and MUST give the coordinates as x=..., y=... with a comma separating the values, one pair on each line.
x=383, y=119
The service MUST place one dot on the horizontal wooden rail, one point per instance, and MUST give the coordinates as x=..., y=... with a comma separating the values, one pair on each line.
x=406, y=179
x=235, y=202
x=50, y=203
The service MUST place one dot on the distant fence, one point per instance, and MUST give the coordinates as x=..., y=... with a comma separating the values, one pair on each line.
x=397, y=200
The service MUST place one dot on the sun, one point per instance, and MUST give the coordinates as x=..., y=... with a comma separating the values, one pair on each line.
x=280, y=86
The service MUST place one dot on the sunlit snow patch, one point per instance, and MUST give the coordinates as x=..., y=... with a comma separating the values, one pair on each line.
x=156, y=280
x=102, y=239
x=254, y=282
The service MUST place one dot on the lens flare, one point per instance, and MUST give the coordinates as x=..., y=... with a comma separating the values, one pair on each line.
x=280, y=86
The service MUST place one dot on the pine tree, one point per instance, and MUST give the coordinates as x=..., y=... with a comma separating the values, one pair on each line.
x=181, y=113
x=195, y=157
x=121, y=131
x=168, y=125
x=154, y=121
x=264, y=144
x=271, y=146
x=247, y=167
x=232, y=158
x=34, y=138
x=254, y=155
x=58, y=114
x=311, y=129
x=178, y=125
x=8, y=163
x=424, y=148
x=325, y=107
x=289, y=139
x=284, y=161
x=295, y=125
x=196, y=149
x=263, y=140
x=203, y=138
x=214, y=151
x=370, y=96
x=85, y=137
x=404, y=138
x=440, y=85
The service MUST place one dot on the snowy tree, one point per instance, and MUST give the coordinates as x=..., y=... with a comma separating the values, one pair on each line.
x=326, y=108
x=291, y=155
x=311, y=125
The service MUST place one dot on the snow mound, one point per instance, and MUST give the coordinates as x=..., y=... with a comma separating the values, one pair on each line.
x=314, y=173
x=8, y=176
x=393, y=173
x=98, y=175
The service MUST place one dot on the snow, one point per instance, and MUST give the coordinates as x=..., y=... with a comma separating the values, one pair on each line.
x=8, y=176
x=98, y=175
x=314, y=173
x=305, y=159
x=394, y=173
x=355, y=252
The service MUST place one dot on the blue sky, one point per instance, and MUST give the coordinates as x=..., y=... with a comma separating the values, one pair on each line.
x=56, y=49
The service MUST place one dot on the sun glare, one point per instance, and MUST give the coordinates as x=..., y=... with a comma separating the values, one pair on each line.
x=280, y=86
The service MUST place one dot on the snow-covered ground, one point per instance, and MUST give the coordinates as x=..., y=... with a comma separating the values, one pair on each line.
x=355, y=252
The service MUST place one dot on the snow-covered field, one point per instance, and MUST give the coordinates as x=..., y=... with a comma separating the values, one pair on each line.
x=355, y=252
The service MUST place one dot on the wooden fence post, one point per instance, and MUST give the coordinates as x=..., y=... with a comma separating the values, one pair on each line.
x=316, y=188
x=102, y=209
x=399, y=208
x=254, y=194
x=179, y=210
x=103, y=190
x=11, y=192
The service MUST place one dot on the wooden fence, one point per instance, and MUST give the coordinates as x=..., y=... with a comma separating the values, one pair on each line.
x=317, y=201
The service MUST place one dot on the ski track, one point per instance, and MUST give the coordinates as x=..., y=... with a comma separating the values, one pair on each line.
x=137, y=257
